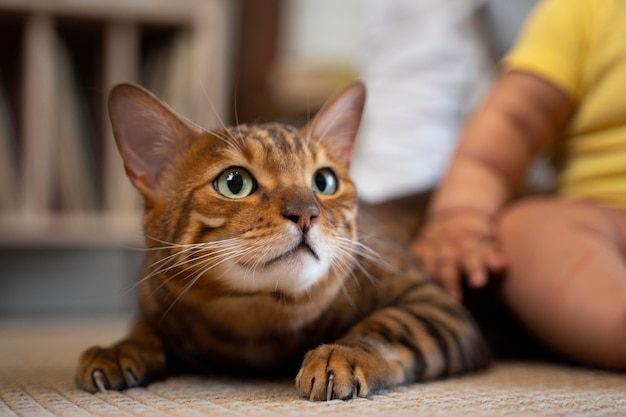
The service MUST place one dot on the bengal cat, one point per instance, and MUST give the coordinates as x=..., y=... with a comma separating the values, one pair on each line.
x=254, y=261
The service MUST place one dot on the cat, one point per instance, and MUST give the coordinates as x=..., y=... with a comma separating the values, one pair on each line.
x=254, y=262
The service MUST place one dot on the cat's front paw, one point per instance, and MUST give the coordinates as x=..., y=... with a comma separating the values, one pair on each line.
x=339, y=372
x=122, y=366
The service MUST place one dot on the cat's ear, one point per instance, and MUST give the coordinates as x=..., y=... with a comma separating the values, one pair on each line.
x=148, y=133
x=337, y=123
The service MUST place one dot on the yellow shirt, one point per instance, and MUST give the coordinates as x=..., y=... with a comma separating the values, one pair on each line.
x=580, y=46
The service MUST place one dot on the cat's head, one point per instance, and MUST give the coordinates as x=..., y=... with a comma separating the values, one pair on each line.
x=249, y=208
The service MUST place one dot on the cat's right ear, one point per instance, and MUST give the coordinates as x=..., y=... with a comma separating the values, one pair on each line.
x=337, y=123
x=148, y=133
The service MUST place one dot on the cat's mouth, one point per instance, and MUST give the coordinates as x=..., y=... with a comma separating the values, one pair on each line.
x=303, y=246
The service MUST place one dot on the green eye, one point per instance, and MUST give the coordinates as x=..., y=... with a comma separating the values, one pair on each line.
x=235, y=183
x=325, y=181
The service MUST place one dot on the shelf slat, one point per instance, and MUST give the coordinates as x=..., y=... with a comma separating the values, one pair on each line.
x=121, y=64
x=37, y=119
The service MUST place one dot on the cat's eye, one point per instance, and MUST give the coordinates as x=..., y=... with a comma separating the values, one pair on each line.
x=325, y=181
x=235, y=183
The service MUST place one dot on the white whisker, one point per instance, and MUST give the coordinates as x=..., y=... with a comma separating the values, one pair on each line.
x=208, y=263
x=215, y=112
x=234, y=142
x=189, y=259
x=237, y=117
x=368, y=253
x=344, y=267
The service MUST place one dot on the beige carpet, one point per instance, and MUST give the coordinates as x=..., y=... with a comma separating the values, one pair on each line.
x=37, y=359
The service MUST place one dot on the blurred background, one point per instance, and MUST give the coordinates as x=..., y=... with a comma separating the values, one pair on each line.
x=70, y=238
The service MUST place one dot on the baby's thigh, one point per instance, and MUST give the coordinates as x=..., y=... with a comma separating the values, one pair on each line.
x=541, y=228
x=566, y=275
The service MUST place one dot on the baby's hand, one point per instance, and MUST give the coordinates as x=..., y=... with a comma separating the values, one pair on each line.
x=459, y=241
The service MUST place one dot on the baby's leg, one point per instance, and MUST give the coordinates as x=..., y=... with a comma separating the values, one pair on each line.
x=567, y=276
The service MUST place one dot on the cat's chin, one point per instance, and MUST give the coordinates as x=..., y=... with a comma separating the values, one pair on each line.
x=292, y=272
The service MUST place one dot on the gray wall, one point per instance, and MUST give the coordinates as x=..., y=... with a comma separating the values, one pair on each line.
x=66, y=281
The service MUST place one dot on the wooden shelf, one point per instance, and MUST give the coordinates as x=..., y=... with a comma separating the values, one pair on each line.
x=141, y=11
x=68, y=181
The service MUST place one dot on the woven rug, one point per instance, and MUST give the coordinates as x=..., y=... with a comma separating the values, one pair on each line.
x=37, y=360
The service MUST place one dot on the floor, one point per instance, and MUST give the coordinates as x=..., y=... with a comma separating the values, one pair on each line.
x=38, y=355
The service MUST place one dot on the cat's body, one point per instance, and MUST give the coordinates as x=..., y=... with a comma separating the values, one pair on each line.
x=254, y=260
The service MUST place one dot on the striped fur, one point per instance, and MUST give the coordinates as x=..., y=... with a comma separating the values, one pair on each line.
x=280, y=278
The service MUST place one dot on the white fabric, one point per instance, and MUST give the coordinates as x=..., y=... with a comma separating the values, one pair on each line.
x=424, y=63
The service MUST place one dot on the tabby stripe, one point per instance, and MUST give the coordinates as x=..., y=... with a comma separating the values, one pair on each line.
x=455, y=339
x=202, y=233
x=382, y=330
x=404, y=337
x=435, y=300
x=465, y=362
x=295, y=141
x=452, y=310
x=455, y=312
x=405, y=296
x=185, y=213
x=458, y=316
x=182, y=221
x=278, y=141
x=436, y=335
x=364, y=347
x=419, y=363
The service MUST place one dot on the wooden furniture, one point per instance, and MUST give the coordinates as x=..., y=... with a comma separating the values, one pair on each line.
x=61, y=180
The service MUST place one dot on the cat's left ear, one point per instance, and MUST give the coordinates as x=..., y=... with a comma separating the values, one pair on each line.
x=337, y=123
x=148, y=134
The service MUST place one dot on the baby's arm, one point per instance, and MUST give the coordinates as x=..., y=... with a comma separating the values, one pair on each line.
x=522, y=115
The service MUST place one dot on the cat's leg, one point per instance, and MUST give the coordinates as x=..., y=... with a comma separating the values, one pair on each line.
x=423, y=335
x=134, y=361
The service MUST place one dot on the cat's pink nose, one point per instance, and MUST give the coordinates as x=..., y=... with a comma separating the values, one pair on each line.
x=302, y=215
